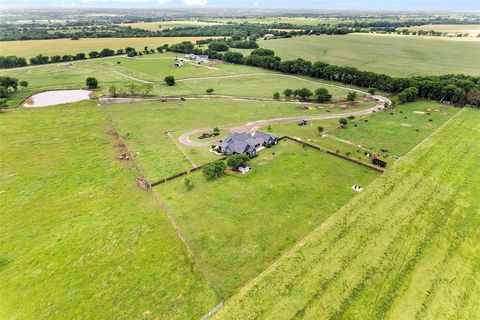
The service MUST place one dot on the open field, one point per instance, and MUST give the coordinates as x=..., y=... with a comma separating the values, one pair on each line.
x=225, y=78
x=238, y=224
x=30, y=48
x=393, y=130
x=79, y=239
x=472, y=29
x=407, y=247
x=146, y=124
x=395, y=56
x=162, y=25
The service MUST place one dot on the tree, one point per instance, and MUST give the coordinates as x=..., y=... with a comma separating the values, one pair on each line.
x=218, y=46
x=320, y=129
x=23, y=84
x=216, y=131
x=132, y=88
x=91, y=83
x=40, y=59
x=106, y=52
x=237, y=160
x=147, y=88
x=276, y=95
x=343, y=122
x=169, y=80
x=303, y=93
x=351, y=117
x=113, y=90
x=233, y=57
x=371, y=90
x=93, y=54
x=214, y=170
x=352, y=96
x=322, y=95
x=210, y=90
x=3, y=92
x=188, y=184
x=8, y=83
x=262, y=52
x=55, y=58
x=288, y=92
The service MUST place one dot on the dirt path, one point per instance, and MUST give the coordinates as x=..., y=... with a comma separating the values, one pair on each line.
x=255, y=125
x=181, y=150
x=131, y=78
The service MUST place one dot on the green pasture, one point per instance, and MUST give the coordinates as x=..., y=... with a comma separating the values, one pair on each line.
x=395, y=130
x=238, y=224
x=224, y=78
x=145, y=124
x=393, y=55
x=406, y=247
x=79, y=239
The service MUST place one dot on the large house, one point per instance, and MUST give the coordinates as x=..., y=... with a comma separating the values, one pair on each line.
x=246, y=143
x=197, y=58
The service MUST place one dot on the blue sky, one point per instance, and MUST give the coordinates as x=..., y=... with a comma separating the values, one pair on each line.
x=434, y=5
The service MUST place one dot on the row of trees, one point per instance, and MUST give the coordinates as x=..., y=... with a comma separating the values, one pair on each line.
x=460, y=89
x=320, y=94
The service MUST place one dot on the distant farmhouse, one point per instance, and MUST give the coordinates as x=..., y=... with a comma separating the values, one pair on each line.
x=268, y=36
x=246, y=143
x=200, y=59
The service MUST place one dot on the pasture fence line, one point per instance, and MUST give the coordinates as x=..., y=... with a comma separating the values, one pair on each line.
x=313, y=146
x=178, y=175
x=211, y=312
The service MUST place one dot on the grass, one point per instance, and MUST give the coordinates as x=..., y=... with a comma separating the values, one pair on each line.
x=395, y=56
x=154, y=68
x=471, y=29
x=238, y=224
x=79, y=239
x=146, y=124
x=162, y=25
x=393, y=130
x=405, y=248
x=30, y=48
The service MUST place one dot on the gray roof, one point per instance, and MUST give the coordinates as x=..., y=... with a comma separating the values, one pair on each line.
x=242, y=142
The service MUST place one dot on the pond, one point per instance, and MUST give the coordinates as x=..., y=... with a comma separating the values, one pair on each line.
x=51, y=98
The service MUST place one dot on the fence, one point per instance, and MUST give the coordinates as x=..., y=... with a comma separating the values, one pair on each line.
x=209, y=313
x=154, y=184
x=332, y=153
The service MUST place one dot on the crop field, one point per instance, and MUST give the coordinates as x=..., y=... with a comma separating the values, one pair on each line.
x=397, y=130
x=472, y=29
x=79, y=239
x=406, y=247
x=238, y=224
x=30, y=48
x=162, y=25
x=395, y=56
x=146, y=124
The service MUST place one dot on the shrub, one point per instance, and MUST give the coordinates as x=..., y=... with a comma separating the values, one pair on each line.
x=91, y=83
x=188, y=184
x=276, y=95
x=210, y=90
x=169, y=80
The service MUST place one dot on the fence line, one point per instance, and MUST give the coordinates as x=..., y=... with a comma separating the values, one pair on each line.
x=154, y=184
x=333, y=153
x=209, y=313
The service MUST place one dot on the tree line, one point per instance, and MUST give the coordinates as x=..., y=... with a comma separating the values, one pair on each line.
x=460, y=89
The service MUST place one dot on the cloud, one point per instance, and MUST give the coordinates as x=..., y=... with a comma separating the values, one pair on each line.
x=195, y=2
x=163, y=1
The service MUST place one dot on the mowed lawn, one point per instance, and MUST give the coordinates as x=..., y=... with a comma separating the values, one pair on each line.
x=79, y=239
x=395, y=130
x=31, y=48
x=238, y=224
x=406, y=248
x=393, y=55
x=145, y=126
